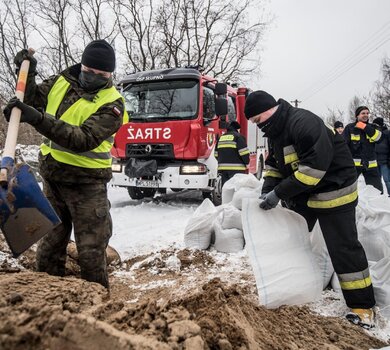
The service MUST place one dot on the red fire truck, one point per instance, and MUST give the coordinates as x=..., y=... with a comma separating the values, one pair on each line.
x=176, y=116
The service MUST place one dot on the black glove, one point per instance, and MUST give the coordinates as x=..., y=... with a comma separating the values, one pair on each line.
x=24, y=55
x=29, y=114
x=270, y=201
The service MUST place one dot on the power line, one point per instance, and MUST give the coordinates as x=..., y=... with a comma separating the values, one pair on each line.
x=350, y=60
x=352, y=56
x=347, y=69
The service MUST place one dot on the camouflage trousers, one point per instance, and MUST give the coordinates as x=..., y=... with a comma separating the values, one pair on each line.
x=85, y=208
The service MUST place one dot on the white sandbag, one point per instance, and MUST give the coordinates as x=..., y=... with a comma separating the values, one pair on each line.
x=279, y=249
x=373, y=223
x=321, y=254
x=380, y=276
x=335, y=283
x=197, y=233
x=227, y=240
x=231, y=218
x=235, y=183
x=242, y=193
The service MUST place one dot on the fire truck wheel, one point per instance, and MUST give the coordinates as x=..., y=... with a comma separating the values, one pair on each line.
x=140, y=193
x=216, y=194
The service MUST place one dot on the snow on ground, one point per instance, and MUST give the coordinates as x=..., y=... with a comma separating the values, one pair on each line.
x=141, y=227
x=147, y=227
x=144, y=227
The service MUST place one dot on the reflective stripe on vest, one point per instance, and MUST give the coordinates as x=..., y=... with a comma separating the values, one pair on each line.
x=290, y=155
x=77, y=114
x=334, y=199
x=272, y=172
x=231, y=166
x=355, y=280
x=377, y=135
x=309, y=176
x=372, y=164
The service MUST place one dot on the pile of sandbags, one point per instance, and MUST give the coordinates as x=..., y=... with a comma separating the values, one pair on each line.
x=222, y=225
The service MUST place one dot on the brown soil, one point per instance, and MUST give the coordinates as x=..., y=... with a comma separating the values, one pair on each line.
x=155, y=304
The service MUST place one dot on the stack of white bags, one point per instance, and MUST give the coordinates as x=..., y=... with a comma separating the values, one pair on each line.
x=291, y=265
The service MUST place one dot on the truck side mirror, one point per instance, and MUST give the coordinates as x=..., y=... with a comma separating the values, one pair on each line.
x=221, y=106
x=220, y=89
x=221, y=102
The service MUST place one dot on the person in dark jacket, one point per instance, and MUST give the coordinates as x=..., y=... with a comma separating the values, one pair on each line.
x=382, y=150
x=231, y=152
x=311, y=170
x=77, y=112
x=361, y=137
x=338, y=126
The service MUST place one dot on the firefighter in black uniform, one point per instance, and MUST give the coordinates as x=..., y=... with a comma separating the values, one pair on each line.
x=231, y=152
x=361, y=137
x=310, y=168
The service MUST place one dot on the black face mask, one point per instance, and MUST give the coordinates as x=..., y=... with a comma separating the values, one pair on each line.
x=91, y=82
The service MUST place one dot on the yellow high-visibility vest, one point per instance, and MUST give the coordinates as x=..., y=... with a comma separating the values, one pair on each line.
x=80, y=111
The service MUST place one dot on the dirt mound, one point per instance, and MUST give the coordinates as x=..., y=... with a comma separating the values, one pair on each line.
x=163, y=300
x=38, y=311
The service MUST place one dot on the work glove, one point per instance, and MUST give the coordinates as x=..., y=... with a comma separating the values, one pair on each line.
x=270, y=200
x=24, y=55
x=29, y=114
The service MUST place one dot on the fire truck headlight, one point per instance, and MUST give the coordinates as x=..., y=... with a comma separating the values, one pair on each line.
x=116, y=168
x=193, y=169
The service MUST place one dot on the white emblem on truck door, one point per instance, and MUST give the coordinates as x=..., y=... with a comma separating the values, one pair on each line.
x=148, y=133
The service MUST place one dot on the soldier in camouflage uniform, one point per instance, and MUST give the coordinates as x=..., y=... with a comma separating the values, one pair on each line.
x=77, y=112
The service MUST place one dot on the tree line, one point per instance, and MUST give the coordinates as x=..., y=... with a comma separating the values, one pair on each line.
x=219, y=36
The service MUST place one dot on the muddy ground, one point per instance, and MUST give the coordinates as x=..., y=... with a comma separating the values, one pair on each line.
x=160, y=301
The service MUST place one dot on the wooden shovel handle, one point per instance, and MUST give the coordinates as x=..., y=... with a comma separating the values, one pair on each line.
x=13, y=125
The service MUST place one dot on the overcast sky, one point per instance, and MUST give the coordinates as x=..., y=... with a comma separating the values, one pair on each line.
x=311, y=42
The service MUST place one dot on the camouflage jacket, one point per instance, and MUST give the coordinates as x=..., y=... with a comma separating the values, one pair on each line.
x=98, y=127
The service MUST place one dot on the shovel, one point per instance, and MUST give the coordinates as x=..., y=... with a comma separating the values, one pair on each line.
x=25, y=213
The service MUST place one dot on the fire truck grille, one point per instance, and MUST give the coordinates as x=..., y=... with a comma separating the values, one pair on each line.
x=145, y=150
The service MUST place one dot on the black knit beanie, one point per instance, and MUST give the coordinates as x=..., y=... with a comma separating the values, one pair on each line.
x=359, y=109
x=99, y=54
x=258, y=102
x=338, y=124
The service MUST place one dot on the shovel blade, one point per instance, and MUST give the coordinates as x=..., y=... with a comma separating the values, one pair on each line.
x=25, y=213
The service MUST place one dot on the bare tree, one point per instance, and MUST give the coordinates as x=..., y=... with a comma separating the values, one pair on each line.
x=215, y=35
x=15, y=29
x=58, y=32
x=381, y=93
x=139, y=34
x=96, y=19
x=334, y=115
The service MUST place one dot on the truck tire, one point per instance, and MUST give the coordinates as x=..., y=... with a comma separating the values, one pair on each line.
x=216, y=194
x=140, y=192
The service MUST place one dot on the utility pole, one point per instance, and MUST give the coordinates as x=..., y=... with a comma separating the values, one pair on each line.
x=295, y=102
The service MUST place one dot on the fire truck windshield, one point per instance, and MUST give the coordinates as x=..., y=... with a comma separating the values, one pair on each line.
x=162, y=100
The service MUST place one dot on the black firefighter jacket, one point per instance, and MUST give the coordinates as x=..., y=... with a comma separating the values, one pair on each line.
x=308, y=164
x=232, y=151
x=362, y=144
